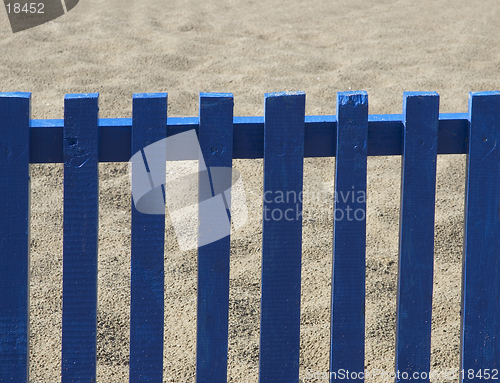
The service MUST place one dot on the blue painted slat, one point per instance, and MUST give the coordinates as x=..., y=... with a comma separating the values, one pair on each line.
x=14, y=236
x=416, y=234
x=81, y=219
x=282, y=237
x=480, y=330
x=349, y=235
x=216, y=143
x=385, y=134
x=147, y=243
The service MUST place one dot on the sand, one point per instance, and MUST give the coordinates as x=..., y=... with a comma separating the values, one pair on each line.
x=118, y=48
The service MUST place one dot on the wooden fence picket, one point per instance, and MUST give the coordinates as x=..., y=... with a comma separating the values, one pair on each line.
x=480, y=327
x=281, y=237
x=347, y=340
x=149, y=121
x=15, y=111
x=216, y=143
x=416, y=242
x=80, y=242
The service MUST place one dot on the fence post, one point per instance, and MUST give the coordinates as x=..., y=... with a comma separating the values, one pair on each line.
x=15, y=113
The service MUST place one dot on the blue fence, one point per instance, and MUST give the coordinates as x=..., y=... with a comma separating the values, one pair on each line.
x=283, y=137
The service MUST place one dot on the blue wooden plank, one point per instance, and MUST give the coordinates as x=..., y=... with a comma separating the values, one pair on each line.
x=80, y=228
x=216, y=143
x=347, y=341
x=14, y=236
x=480, y=329
x=416, y=235
x=282, y=237
x=385, y=134
x=453, y=133
x=147, y=243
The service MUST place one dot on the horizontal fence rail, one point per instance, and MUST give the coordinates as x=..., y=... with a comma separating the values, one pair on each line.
x=385, y=136
x=283, y=137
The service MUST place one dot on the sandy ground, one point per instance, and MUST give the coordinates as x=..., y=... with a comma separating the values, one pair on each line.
x=249, y=48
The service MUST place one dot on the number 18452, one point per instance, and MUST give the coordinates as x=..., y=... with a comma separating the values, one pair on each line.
x=33, y=8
